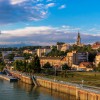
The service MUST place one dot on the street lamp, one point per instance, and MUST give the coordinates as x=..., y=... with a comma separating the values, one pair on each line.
x=82, y=82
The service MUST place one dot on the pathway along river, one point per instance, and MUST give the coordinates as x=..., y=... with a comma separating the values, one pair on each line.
x=22, y=91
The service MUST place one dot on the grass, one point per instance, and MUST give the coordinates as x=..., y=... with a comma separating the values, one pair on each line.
x=90, y=78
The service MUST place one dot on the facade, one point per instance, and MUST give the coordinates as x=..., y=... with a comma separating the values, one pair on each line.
x=54, y=61
x=18, y=58
x=76, y=58
x=29, y=51
x=83, y=66
x=63, y=47
x=69, y=58
x=96, y=46
x=86, y=66
x=5, y=54
x=41, y=52
x=80, y=57
x=97, y=59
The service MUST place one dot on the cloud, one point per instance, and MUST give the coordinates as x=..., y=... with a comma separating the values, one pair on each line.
x=17, y=1
x=62, y=6
x=13, y=11
x=45, y=35
x=50, y=5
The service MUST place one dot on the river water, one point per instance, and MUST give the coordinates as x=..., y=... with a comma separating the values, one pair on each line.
x=22, y=91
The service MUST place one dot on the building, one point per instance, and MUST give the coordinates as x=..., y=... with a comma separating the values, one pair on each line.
x=97, y=60
x=96, y=46
x=42, y=52
x=86, y=66
x=83, y=66
x=63, y=47
x=29, y=51
x=76, y=58
x=54, y=61
x=79, y=57
x=18, y=58
x=69, y=58
x=5, y=54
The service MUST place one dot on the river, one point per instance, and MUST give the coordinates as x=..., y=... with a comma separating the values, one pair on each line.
x=22, y=91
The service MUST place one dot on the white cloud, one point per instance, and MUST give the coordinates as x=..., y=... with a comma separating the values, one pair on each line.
x=14, y=11
x=62, y=6
x=17, y=1
x=50, y=5
x=45, y=35
x=28, y=31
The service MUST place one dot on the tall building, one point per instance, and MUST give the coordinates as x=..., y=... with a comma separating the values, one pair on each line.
x=76, y=57
x=41, y=52
x=78, y=42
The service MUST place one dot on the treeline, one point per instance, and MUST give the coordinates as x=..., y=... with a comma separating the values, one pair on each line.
x=32, y=66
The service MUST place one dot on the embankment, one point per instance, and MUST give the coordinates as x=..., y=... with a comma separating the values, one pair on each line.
x=81, y=93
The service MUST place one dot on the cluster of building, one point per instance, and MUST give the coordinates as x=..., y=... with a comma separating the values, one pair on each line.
x=75, y=60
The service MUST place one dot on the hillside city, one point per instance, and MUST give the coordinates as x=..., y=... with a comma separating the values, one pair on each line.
x=49, y=49
x=76, y=57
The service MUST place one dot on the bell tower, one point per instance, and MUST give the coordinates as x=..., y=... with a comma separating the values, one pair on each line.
x=78, y=42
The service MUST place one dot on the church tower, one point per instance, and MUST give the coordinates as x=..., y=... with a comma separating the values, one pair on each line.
x=78, y=42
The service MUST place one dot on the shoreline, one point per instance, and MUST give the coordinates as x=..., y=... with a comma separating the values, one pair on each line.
x=81, y=93
x=8, y=78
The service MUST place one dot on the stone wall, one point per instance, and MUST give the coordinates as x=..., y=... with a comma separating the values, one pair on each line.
x=80, y=94
x=72, y=90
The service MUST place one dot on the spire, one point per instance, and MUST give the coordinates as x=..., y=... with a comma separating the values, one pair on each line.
x=78, y=39
x=78, y=34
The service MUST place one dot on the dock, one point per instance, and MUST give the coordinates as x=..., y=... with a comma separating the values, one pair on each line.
x=9, y=78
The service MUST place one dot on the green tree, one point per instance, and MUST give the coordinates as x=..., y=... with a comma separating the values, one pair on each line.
x=2, y=65
x=47, y=65
x=11, y=56
x=65, y=67
x=27, y=55
x=36, y=64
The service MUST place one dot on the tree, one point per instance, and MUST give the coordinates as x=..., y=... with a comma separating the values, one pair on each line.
x=11, y=56
x=2, y=65
x=27, y=55
x=65, y=67
x=36, y=64
x=47, y=65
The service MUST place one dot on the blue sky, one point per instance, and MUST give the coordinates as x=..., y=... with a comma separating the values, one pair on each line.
x=44, y=22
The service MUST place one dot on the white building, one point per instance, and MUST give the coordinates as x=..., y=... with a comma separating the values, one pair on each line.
x=41, y=52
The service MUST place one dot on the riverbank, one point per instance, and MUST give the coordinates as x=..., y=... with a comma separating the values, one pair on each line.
x=81, y=93
x=89, y=78
x=8, y=78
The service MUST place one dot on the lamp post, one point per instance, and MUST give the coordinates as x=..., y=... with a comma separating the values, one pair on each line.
x=82, y=82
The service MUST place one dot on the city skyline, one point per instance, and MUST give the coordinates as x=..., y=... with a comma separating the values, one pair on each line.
x=44, y=22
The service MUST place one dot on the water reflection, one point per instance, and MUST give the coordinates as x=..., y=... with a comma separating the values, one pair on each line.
x=22, y=91
x=41, y=93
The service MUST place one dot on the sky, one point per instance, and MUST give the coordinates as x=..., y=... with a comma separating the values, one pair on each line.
x=45, y=22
